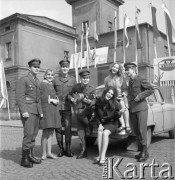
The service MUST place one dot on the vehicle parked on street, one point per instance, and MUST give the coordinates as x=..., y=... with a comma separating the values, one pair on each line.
x=161, y=119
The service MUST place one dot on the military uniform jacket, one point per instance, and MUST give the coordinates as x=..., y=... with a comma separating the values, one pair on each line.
x=141, y=88
x=28, y=95
x=63, y=86
x=87, y=91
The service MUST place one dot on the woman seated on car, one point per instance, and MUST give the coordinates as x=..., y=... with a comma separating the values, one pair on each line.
x=107, y=111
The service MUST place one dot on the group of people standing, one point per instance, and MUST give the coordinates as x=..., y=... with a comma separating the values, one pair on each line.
x=47, y=106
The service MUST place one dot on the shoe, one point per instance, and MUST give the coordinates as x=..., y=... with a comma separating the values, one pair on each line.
x=101, y=162
x=96, y=160
x=61, y=148
x=68, y=152
x=25, y=161
x=122, y=132
x=51, y=156
x=138, y=155
x=82, y=155
x=32, y=158
x=44, y=157
x=120, y=129
x=128, y=130
x=144, y=157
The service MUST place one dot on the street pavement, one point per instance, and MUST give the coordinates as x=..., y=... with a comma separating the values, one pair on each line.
x=162, y=150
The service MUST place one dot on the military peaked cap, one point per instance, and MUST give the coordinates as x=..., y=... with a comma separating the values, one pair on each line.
x=130, y=65
x=64, y=62
x=34, y=62
x=84, y=73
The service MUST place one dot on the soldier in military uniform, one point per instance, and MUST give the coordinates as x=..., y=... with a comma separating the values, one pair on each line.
x=28, y=100
x=63, y=85
x=138, y=90
x=82, y=97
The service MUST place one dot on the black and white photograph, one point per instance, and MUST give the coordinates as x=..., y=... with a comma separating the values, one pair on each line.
x=87, y=89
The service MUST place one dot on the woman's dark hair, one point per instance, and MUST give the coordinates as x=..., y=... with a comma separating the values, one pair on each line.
x=112, y=100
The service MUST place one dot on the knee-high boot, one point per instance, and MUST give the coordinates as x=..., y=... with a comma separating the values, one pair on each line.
x=32, y=158
x=68, y=152
x=139, y=155
x=61, y=149
x=144, y=155
x=25, y=161
x=59, y=138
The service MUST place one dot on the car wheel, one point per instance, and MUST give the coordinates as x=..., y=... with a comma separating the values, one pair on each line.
x=172, y=134
x=149, y=136
x=90, y=141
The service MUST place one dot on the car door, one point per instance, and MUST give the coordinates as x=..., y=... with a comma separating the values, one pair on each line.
x=168, y=111
x=157, y=111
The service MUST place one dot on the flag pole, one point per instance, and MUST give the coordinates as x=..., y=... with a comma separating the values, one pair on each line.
x=82, y=39
x=87, y=47
x=155, y=50
x=172, y=95
x=76, y=61
x=136, y=38
x=168, y=43
x=115, y=36
x=154, y=42
x=75, y=46
x=8, y=107
x=124, y=57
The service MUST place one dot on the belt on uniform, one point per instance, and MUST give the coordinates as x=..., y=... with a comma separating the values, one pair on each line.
x=31, y=99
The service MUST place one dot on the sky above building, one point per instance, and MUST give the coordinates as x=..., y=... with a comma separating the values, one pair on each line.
x=58, y=10
x=61, y=11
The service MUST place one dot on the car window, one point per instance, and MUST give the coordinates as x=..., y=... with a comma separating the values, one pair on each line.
x=151, y=98
x=159, y=96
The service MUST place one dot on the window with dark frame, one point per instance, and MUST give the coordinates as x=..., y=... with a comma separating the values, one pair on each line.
x=8, y=51
x=66, y=55
x=109, y=26
x=84, y=26
x=171, y=52
x=7, y=28
x=165, y=51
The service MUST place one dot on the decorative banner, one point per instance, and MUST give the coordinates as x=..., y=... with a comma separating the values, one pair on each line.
x=101, y=57
x=164, y=68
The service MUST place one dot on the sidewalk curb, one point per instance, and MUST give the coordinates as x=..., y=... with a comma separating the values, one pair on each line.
x=12, y=123
x=10, y=126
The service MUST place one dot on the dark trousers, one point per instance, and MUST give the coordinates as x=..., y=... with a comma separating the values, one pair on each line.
x=66, y=119
x=31, y=126
x=138, y=121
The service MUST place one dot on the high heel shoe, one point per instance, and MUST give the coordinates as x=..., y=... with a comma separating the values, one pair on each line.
x=101, y=162
x=128, y=130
